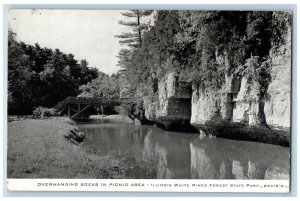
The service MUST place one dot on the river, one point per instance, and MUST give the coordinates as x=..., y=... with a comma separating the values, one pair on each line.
x=174, y=155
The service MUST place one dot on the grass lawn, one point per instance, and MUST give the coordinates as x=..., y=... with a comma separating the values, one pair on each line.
x=38, y=149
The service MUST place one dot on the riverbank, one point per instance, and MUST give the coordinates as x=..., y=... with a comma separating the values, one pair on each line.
x=38, y=148
x=114, y=117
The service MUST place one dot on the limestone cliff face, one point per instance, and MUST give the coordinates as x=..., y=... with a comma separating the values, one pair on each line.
x=236, y=110
x=246, y=104
x=173, y=98
x=172, y=107
x=214, y=106
x=277, y=108
x=236, y=102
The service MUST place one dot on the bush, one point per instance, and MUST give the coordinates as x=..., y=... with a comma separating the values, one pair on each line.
x=41, y=112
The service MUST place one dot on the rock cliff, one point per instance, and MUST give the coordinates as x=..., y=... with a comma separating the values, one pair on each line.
x=171, y=109
x=278, y=104
x=236, y=110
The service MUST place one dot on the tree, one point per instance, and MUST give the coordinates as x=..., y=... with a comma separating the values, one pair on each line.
x=124, y=58
x=144, y=65
x=42, y=77
x=84, y=63
x=134, y=39
x=104, y=86
x=146, y=60
x=19, y=75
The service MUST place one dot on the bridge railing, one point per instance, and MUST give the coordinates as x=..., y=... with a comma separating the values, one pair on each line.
x=86, y=100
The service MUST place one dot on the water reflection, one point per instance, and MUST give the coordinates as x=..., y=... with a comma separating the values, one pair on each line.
x=170, y=152
x=227, y=159
x=183, y=156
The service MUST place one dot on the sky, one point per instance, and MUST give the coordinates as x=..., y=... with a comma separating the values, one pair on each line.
x=88, y=34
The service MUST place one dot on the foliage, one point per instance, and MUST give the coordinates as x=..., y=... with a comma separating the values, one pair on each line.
x=19, y=76
x=257, y=70
x=216, y=43
x=143, y=66
x=134, y=39
x=280, y=23
x=41, y=112
x=202, y=47
x=129, y=58
x=259, y=33
x=103, y=86
x=41, y=76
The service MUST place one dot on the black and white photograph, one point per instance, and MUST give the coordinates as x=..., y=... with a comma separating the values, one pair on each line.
x=149, y=95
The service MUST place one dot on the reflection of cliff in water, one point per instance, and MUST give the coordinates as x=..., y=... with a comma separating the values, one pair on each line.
x=156, y=153
x=170, y=153
x=226, y=159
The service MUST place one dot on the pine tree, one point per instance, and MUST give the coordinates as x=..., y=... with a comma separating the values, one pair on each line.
x=134, y=39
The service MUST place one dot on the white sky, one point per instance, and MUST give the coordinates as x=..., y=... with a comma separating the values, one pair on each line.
x=88, y=34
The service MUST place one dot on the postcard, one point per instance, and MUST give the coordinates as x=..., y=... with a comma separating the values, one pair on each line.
x=149, y=100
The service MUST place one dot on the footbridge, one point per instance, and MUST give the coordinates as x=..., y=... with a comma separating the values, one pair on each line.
x=77, y=107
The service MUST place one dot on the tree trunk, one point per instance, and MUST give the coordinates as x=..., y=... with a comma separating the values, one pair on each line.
x=139, y=29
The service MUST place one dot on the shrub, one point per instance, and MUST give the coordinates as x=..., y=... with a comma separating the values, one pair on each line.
x=48, y=112
x=41, y=112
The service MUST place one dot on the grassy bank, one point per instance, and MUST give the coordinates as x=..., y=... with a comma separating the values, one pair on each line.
x=38, y=149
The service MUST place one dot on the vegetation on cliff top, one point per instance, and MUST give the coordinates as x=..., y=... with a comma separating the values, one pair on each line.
x=202, y=47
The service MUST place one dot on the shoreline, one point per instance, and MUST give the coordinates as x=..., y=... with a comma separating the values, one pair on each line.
x=114, y=117
x=233, y=131
x=38, y=148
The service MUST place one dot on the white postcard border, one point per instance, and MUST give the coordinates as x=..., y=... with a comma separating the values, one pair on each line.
x=150, y=185
x=17, y=182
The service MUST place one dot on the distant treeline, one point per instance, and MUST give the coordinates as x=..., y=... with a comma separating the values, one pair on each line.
x=41, y=76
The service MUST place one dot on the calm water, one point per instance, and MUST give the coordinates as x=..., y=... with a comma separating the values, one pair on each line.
x=183, y=156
